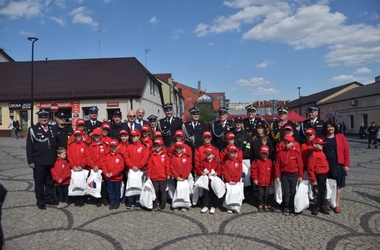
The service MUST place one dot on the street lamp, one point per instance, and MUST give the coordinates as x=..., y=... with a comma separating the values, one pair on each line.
x=299, y=99
x=33, y=40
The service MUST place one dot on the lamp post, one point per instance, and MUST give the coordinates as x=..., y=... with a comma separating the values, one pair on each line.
x=299, y=99
x=33, y=40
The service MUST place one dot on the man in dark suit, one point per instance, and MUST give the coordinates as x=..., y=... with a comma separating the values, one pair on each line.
x=220, y=128
x=194, y=129
x=64, y=131
x=313, y=122
x=169, y=124
x=41, y=146
x=250, y=123
x=131, y=122
x=277, y=127
x=93, y=121
x=140, y=113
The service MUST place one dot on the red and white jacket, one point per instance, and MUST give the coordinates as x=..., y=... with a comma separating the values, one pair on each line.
x=224, y=154
x=209, y=165
x=158, y=166
x=288, y=161
x=306, y=149
x=136, y=155
x=186, y=150
x=76, y=154
x=317, y=164
x=200, y=154
x=95, y=154
x=180, y=166
x=262, y=171
x=113, y=163
x=61, y=170
x=232, y=170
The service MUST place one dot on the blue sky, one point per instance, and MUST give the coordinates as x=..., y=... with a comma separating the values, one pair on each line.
x=249, y=49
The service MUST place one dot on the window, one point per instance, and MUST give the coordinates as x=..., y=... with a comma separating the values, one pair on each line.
x=351, y=124
x=1, y=117
x=151, y=83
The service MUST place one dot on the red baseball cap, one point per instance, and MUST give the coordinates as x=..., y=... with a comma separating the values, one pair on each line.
x=179, y=133
x=230, y=135
x=97, y=131
x=145, y=128
x=135, y=133
x=310, y=131
x=78, y=132
x=80, y=122
x=158, y=142
x=114, y=143
x=123, y=132
x=209, y=151
x=157, y=134
x=264, y=149
x=232, y=148
x=180, y=144
x=106, y=125
x=206, y=134
x=318, y=140
x=288, y=127
x=289, y=138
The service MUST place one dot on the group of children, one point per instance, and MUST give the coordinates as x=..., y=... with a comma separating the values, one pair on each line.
x=137, y=152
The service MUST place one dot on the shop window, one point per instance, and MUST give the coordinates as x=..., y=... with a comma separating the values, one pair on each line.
x=351, y=122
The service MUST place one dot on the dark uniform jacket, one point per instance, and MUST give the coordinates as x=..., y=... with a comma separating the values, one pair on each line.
x=193, y=136
x=251, y=127
x=242, y=138
x=115, y=130
x=277, y=133
x=89, y=127
x=256, y=144
x=317, y=126
x=63, y=135
x=41, y=146
x=219, y=132
x=168, y=129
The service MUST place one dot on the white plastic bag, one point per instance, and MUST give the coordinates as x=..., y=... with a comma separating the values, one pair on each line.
x=94, y=184
x=332, y=186
x=310, y=193
x=191, y=183
x=278, y=192
x=218, y=186
x=78, y=182
x=234, y=196
x=202, y=182
x=122, y=189
x=181, y=195
x=301, y=198
x=148, y=195
x=134, y=183
x=170, y=187
x=247, y=171
x=198, y=192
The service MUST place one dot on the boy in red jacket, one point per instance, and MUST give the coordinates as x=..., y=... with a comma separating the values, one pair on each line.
x=76, y=156
x=145, y=138
x=105, y=133
x=200, y=152
x=230, y=138
x=113, y=170
x=262, y=174
x=136, y=156
x=61, y=174
x=307, y=146
x=179, y=136
x=289, y=167
x=232, y=168
x=208, y=166
x=318, y=167
x=94, y=156
x=159, y=172
x=288, y=130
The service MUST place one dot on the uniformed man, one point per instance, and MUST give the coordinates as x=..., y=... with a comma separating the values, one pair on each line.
x=193, y=129
x=116, y=125
x=277, y=127
x=63, y=131
x=41, y=146
x=153, y=125
x=250, y=123
x=220, y=128
x=93, y=122
x=169, y=124
x=313, y=122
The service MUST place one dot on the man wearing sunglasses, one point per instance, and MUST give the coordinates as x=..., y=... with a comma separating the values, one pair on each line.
x=131, y=122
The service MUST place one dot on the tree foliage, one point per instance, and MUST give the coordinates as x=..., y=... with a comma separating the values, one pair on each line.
x=206, y=112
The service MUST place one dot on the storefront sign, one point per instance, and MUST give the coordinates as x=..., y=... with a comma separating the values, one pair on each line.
x=19, y=105
x=112, y=104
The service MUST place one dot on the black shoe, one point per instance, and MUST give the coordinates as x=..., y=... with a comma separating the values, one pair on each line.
x=315, y=211
x=137, y=206
x=105, y=202
x=323, y=210
x=129, y=205
x=116, y=206
x=111, y=207
x=53, y=203
x=42, y=207
x=77, y=203
x=98, y=204
x=81, y=203
x=123, y=200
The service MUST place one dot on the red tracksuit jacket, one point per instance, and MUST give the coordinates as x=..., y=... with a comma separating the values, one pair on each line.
x=158, y=166
x=61, y=170
x=317, y=164
x=200, y=154
x=96, y=153
x=186, y=150
x=76, y=154
x=262, y=170
x=281, y=146
x=113, y=163
x=232, y=170
x=136, y=155
x=147, y=141
x=106, y=139
x=288, y=162
x=306, y=148
x=224, y=154
x=87, y=139
x=180, y=166
x=209, y=165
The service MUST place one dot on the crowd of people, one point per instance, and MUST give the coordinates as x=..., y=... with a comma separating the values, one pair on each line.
x=170, y=149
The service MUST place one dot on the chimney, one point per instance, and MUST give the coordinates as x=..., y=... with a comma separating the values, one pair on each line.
x=199, y=85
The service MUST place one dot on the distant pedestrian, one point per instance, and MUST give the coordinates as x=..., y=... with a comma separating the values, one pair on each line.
x=362, y=132
x=12, y=127
x=372, y=133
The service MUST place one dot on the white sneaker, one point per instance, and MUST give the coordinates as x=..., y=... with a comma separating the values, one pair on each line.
x=64, y=205
x=229, y=211
x=183, y=209
x=204, y=210
x=60, y=205
x=175, y=209
x=212, y=210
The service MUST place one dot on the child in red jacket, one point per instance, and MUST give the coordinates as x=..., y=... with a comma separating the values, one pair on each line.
x=307, y=146
x=209, y=166
x=105, y=133
x=262, y=174
x=145, y=138
x=230, y=138
x=113, y=170
x=159, y=172
x=61, y=174
x=94, y=156
x=318, y=167
x=200, y=152
x=289, y=167
x=76, y=156
x=136, y=156
x=180, y=136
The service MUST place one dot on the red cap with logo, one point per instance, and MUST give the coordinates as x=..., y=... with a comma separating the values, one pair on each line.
x=114, y=143
x=123, y=132
x=145, y=128
x=106, y=125
x=157, y=134
x=180, y=144
x=289, y=138
x=97, y=131
x=318, y=140
x=206, y=134
x=288, y=127
x=210, y=151
x=179, y=133
x=158, y=142
x=232, y=148
x=80, y=122
x=230, y=135
x=310, y=131
x=135, y=133
x=78, y=132
x=264, y=149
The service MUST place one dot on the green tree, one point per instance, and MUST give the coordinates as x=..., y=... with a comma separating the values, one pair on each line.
x=206, y=112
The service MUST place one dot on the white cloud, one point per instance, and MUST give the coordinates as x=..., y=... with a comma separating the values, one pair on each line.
x=59, y=20
x=300, y=26
x=348, y=78
x=26, y=33
x=176, y=33
x=254, y=81
x=82, y=15
x=60, y=3
x=375, y=16
x=362, y=71
x=24, y=8
x=264, y=64
x=210, y=44
x=153, y=20
x=264, y=91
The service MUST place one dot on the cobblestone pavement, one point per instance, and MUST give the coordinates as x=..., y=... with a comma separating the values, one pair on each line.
x=89, y=227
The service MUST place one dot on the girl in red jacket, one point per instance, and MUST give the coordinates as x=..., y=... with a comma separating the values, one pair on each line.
x=76, y=156
x=79, y=126
x=145, y=138
x=94, y=156
x=113, y=170
x=179, y=136
x=124, y=141
x=209, y=166
x=105, y=133
x=307, y=146
x=288, y=166
x=230, y=138
x=232, y=168
x=159, y=172
x=317, y=172
x=262, y=174
x=136, y=157
x=61, y=174
x=200, y=152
